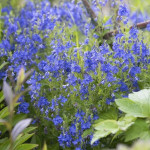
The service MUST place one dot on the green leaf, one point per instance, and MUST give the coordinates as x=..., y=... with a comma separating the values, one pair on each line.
x=18, y=117
x=36, y=139
x=26, y=147
x=1, y=96
x=138, y=130
x=3, y=140
x=112, y=113
x=107, y=127
x=4, y=112
x=5, y=145
x=45, y=146
x=99, y=134
x=137, y=105
x=128, y=106
x=87, y=132
x=125, y=122
x=29, y=129
x=22, y=139
x=1, y=66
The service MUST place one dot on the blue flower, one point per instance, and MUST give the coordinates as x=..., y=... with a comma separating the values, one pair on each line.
x=23, y=108
x=72, y=129
x=57, y=120
x=133, y=33
x=36, y=38
x=148, y=27
x=42, y=102
x=134, y=70
x=123, y=11
x=87, y=79
x=123, y=86
x=71, y=79
x=75, y=68
x=62, y=99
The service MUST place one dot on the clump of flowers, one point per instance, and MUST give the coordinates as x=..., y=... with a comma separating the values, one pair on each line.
x=75, y=78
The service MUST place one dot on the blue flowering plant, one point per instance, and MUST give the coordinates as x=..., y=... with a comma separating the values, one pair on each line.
x=81, y=66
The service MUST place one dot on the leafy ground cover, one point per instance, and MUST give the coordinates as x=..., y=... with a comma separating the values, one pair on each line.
x=78, y=70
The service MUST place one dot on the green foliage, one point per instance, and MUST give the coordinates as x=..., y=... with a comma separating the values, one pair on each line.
x=106, y=127
x=15, y=124
x=137, y=105
x=134, y=125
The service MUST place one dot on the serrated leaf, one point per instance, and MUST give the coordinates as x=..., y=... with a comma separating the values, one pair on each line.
x=137, y=105
x=26, y=147
x=19, y=127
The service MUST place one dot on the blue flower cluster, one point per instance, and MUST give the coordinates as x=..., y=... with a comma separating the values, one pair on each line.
x=74, y=77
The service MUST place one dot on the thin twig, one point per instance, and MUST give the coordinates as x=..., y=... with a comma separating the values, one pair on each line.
x=141, y=25
x=90, y=12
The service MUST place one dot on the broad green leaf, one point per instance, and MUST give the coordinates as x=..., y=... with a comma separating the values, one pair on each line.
x=137, y=130
x=137, y=105
x=26, y=147
x=128, y=106
x=107, y=125
x=112, y=113
x=126, y=122
x=143, y=98
x=99, y=134
x=22, y=139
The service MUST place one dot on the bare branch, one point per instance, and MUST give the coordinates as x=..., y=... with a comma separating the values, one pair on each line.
x=141, y=25
x=90, y=12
